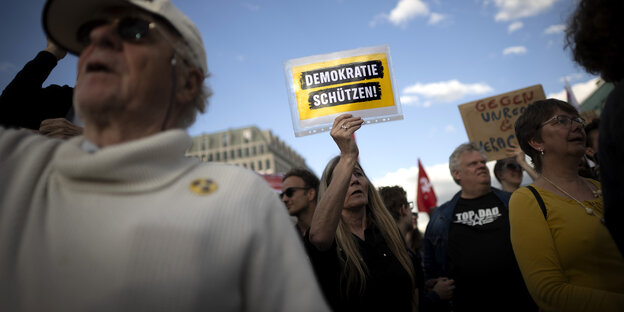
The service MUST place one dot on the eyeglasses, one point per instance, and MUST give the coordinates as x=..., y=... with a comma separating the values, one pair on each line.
x=513, y=166
x=565, y=120
x=129, y=28
x=289, y=191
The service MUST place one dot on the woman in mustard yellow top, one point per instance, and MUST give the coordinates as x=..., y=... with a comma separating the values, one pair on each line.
x=567, y=257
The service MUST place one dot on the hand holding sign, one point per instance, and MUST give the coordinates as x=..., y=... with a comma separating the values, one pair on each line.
x=342, y=133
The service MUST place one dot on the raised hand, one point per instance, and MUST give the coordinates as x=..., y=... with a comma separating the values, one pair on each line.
x=342, y=133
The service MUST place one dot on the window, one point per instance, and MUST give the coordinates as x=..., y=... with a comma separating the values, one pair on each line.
x=210, y=157
x=246, y=151
x=232, y=154
x=224, y=139
x=251, y=165
x=218, y=156
x=259, y=164
x=254, y=150
x=224, y=155
x=261, y=149
x=268, y=164
x=240, y=153
x=246, y=136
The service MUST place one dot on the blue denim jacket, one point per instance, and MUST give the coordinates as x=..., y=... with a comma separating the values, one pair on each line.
x=436, y=235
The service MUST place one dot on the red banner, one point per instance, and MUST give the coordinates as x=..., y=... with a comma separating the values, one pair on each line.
x=274, y=180
x=425, y=196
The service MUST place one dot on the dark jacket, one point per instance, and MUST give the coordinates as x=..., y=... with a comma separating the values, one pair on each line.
x=610, y=156
x=25, y=104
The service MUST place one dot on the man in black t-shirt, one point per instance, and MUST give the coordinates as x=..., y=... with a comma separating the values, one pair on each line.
x=467, y=241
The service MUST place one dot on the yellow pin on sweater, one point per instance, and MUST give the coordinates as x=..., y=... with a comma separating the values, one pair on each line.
x=203, y=186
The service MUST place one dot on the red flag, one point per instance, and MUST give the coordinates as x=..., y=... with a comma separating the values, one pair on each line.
x=425, y=196
x=274, y=180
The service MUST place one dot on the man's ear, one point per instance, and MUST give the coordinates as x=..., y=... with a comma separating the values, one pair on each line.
x=456, y=175
x=189, y=85
x=311, y=194
x=404, y=210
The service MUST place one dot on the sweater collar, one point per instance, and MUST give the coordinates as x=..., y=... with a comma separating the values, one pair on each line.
x=135, y=166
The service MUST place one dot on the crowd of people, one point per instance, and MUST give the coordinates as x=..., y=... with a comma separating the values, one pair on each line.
x=101, y=211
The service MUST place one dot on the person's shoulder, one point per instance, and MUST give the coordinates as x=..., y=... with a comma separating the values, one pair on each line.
x=501, y=194
x=20, y=139
x=231, y=172
x=521, y=192
x=524, y=196
x=445, y=206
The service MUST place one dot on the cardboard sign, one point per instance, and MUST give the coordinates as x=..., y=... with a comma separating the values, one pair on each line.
x=490, y=122
x=359, y=82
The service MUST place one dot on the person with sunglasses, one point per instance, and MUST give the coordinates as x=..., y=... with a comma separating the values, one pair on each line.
x=300, y=194
x=565, y=253
x=508, y=173
x=118, y=219
x=356, y=249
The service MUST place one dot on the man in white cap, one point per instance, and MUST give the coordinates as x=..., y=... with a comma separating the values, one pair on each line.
x=118, y=219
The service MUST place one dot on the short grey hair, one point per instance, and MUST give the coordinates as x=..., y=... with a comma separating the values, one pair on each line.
x=463, y=148
x=198, y=105
x=189, y=112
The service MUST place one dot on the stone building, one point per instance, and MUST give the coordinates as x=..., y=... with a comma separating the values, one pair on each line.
x=250, y=147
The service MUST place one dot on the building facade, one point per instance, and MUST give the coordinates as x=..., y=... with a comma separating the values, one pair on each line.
x=250, y=147
x=596, y=101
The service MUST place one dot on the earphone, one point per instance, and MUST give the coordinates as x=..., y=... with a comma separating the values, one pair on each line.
x=173, y=60
x=173, y=80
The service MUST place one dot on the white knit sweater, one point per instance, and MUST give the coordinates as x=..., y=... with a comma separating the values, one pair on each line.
x=122, y=230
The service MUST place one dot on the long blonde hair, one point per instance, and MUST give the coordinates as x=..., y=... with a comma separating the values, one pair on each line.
x=351, y=261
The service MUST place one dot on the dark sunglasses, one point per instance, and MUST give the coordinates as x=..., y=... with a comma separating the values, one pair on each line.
x=289, y=191
x=130, y=28
x=513, y=166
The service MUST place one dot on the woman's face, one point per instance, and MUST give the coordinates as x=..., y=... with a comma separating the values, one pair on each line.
x=511, y=172
x=357, y=193
x=563, y=134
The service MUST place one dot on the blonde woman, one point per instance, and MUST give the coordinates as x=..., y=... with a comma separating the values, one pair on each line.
x=354, y=244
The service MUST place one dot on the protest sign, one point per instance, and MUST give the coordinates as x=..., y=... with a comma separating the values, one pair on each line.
x=358, y=82
x=490, y=122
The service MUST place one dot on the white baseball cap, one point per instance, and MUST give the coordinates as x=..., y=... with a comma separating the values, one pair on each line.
x=63, y=18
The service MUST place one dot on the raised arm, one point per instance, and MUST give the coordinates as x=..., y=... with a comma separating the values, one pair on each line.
x=328, y=211
x=58, y=52
x=24, y=103
x=516, y=151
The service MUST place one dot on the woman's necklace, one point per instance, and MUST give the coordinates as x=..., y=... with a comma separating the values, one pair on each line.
x=587, y=209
